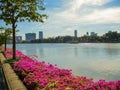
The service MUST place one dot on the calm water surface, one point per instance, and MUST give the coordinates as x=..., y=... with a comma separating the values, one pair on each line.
x=98, y=61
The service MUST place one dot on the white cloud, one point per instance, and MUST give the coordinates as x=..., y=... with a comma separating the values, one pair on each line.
x=78, y=14
x=77, y=4
x=110, y=15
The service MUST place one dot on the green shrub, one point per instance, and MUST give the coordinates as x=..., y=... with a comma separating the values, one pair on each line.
x=11, y=61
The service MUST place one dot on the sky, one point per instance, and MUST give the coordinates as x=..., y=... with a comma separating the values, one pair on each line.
x=65, y=16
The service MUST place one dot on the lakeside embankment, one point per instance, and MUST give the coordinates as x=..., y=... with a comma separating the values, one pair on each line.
x=43, y=76
x=3, y=85
x=9, y=80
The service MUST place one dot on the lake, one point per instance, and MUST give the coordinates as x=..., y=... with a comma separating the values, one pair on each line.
x=93, y=60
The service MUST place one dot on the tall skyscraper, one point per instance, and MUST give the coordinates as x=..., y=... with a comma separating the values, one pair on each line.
x=40, y=35
x=75, y=33
x=30, y=36
x=87, y=33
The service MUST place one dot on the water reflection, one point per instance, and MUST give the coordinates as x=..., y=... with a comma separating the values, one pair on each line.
x=112, y=51
x=76, y=51
x=40, y=53
x=108, y=68
x=31, y=51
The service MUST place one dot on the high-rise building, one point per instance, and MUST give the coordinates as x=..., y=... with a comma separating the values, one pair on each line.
x=18, y=38
x=93, y=33
x=75, y=33
x=40, y=35
x=30, y=36
x=87, y=33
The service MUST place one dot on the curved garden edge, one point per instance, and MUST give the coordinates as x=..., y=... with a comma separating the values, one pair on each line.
x=13, y=81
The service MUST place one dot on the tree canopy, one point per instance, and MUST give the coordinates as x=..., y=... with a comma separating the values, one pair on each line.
x=13, y=11
x=4, y=35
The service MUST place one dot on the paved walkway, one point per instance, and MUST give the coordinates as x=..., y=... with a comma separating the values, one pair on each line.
x=3, y=85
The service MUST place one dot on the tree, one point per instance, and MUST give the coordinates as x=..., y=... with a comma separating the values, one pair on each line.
x=13, y=11
x=4, y=36
x=111, y=37
x=7, y=34
x=1, y=36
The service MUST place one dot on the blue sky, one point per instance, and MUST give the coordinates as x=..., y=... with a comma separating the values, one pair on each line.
x=65, y=16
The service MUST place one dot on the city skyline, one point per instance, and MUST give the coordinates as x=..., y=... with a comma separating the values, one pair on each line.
x=74, y=34
x=65, y=16
x=39, y=35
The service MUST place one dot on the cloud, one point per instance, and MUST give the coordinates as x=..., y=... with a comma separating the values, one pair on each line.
x=77, y=4
x=82, y=11
x=110, y=15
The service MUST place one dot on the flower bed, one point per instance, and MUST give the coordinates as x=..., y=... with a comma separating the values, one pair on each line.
x=41, y=76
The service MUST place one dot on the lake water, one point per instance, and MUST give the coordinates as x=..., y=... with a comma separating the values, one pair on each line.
x=98, y=61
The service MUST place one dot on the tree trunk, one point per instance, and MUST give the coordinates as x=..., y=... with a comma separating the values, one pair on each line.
x=5, y=43
x=14, y=41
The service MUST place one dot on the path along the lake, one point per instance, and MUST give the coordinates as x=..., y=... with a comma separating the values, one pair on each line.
x=8, y=78
x=3, y=85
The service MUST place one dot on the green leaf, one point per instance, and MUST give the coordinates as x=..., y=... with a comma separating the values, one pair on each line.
x=10, y=61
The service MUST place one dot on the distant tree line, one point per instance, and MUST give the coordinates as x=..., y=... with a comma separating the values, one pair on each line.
x=109, y=37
